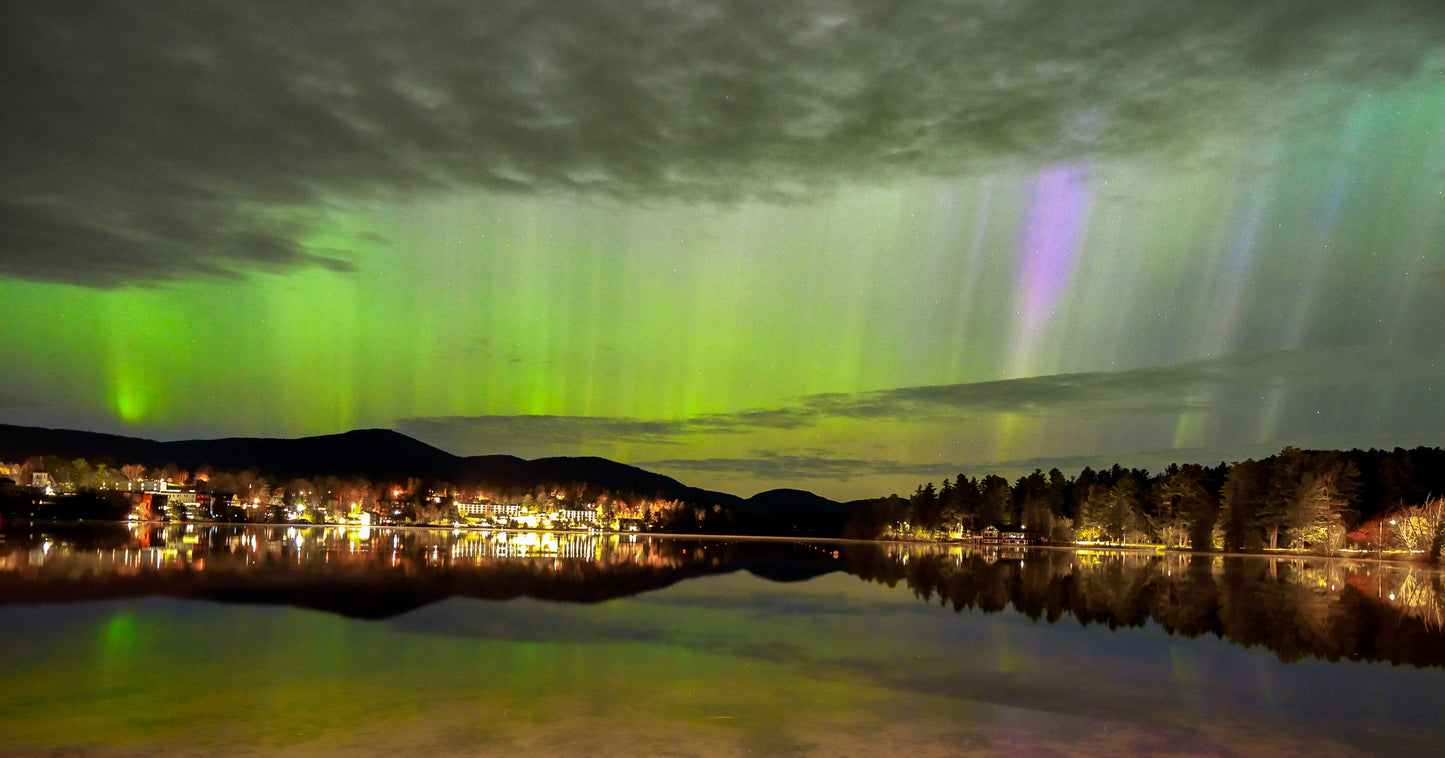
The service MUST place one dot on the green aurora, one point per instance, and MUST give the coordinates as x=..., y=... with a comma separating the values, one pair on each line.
x=1148, y=265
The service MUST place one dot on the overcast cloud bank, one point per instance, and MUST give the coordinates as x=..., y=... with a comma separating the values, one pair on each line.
x=151, y=141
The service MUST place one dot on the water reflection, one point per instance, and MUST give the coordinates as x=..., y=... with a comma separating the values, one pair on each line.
x=1297, y=607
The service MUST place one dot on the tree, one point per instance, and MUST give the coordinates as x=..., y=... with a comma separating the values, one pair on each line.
x=1094, y=512
x=1245, y=487
x=950, y=504
x=969, y=502
x=1188, y=509
x=997, y=501
x=1034, y=499
x=923, y=509
x=1273, y=512
x=1418, y=528
x=1125, y=518
x=1168, y=518
x=133, y=472
x=1059, y=491
x=1326, y=487
x=872, y=519
x=944, y=509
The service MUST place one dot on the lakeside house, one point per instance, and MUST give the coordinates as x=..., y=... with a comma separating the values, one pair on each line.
x=1009, y=536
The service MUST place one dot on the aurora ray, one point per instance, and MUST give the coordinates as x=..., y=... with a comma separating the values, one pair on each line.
x=726, y=240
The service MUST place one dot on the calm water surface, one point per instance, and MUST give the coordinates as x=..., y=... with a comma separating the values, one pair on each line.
x=273, y=641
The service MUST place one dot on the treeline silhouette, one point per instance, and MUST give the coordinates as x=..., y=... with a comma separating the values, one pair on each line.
x=1300, y=499
x=1317, y=501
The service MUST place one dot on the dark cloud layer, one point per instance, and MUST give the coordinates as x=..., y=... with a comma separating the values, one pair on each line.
x=770, y=466
x=1215, y=385
x=1197, y=385
x=146, y=141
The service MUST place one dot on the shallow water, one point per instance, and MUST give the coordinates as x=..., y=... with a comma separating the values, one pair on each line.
x=689, y=653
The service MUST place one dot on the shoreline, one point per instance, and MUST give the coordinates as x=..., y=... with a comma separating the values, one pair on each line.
x=1371, y=555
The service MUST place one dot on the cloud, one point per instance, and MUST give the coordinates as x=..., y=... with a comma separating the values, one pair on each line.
x=1210, y=385
x=1199, y=385
x=150, y=141
x=471, y=433
x=768, y=465
x=12, y=401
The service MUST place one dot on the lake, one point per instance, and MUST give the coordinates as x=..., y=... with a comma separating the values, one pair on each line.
x=123, y=640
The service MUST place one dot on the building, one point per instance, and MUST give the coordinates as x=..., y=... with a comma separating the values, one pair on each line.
x=1010, y=536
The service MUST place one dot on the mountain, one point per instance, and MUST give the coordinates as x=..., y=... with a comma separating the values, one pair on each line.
x=373, y=453
x=377, y=454
x=790, y=501
x=20, y=442
x=505, y=471
x=792, y=512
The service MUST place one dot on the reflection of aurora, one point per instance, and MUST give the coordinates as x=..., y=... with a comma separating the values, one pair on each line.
x=1297, y=607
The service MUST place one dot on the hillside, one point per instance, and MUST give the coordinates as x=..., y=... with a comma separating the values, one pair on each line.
x=376, y=454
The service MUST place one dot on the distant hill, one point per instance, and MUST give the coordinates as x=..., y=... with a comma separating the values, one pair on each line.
x=376, y=454
x=790, y=501
x=793, y=512
x=20, y=442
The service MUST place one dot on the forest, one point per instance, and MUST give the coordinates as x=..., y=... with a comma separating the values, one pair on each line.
x=1315, y=501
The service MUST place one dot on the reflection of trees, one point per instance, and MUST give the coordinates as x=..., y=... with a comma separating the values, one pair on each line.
x=368, y=572
x=1296, y=607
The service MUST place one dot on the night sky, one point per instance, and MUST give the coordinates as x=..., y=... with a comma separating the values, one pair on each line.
x=841, y=246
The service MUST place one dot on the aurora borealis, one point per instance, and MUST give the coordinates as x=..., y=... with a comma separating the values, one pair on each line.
x=841, y=246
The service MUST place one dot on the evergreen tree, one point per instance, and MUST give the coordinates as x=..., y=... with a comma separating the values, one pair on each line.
x=1272, y=513
x=1187, y=508
x=1094, y=511
x=969, y=502
x=1125, y=519
x=997, y=501
x=1245, y=487
x=923, y=509
x=1059, y=492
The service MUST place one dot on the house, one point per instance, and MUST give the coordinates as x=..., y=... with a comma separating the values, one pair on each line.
x=1009, y=535
x=1019, y=537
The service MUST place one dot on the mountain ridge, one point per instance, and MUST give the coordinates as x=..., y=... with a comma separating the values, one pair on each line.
x=377, y=454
